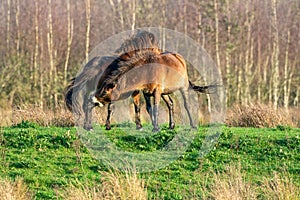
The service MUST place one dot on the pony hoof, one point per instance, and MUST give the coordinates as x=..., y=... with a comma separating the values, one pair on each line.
x=139, y=128
x=154, y=130
x=108, y=128
x=172, y=126
x=88, y=128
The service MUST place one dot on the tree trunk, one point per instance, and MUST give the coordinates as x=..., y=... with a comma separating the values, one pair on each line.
x=217, y=33
x=69, y=42
x=36, y=46
x=88, y=28
x=259, y=67
x=18, y=28
x=275, y=55
x=8, y=22
x=286, y=76
x=296, y=99
x=113, y=15
x=133, y=14
x=41, y=73
x=239, y=73
x=228, y=56
x=52, y=72
x=247, y=72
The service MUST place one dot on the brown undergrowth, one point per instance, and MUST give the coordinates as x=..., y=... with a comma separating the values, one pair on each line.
x=261, y=115
x=251, y=115
x=60, y=116
x=43, y=117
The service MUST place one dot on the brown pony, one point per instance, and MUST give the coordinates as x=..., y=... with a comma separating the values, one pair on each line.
x=99, y=68
x=84, y=84
x=155, y=75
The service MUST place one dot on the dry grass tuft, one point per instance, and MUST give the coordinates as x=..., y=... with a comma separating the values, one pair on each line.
x=118, y=185
x=16, y=190
x=5, y=117
x=115, y=185
x=81, y=192
x=281, y=187
x=60, y=117
x=259, y=115
x=231, y=185
x=42, y=117
x=252, y=115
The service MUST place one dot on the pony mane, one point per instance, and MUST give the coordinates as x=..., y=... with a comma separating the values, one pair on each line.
x=139, y=41
x=119, y=67
x=134, y=51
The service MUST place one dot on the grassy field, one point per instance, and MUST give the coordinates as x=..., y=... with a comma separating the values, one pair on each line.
x=51, y=163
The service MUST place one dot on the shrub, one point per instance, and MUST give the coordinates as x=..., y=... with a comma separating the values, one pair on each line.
x=259, y=115
x=43, y=117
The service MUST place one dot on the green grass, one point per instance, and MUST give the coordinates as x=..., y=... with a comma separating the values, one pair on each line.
x=50, y=158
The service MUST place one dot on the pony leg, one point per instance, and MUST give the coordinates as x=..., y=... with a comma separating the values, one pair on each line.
x=87, y=108
x=157, y=96
x=170, y=105
x=184, y=94
x=148, y=105
x=109, y=114
x=137, y=108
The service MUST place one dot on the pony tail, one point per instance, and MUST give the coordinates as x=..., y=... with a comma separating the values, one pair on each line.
x=207, y=89
x=68, y=93
x=72, y=95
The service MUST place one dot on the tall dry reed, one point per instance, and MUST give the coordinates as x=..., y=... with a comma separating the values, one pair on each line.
x=260, y=115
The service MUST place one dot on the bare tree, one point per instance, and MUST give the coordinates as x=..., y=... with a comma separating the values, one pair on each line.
x=217, y=33
x=8, y=24
x=36, y=46
x=69, y=41
x=88, y=28
x=228, y=50
x=287, y=74
x=275, y=55
x=248, y=54
x=52, y=71
x=133, y=14
x=18, y=27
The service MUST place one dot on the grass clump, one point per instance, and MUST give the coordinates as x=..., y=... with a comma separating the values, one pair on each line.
x=281, y=186
x=16, y=190
x=231, y=184
x=259, y=115
x=123, y=185
x=114, y=185
x=234, y=183
x=43, y=117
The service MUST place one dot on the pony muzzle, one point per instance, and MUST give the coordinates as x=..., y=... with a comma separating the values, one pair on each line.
x=97, y=102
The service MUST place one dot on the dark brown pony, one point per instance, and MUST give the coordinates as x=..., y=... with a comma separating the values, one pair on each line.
x=155, y=75
x=99, y=68
x=84, y=84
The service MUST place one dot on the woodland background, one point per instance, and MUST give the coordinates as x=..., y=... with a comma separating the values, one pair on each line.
x=255, y=43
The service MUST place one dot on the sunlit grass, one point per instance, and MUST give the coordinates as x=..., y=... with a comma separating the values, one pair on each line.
x=245, y=162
